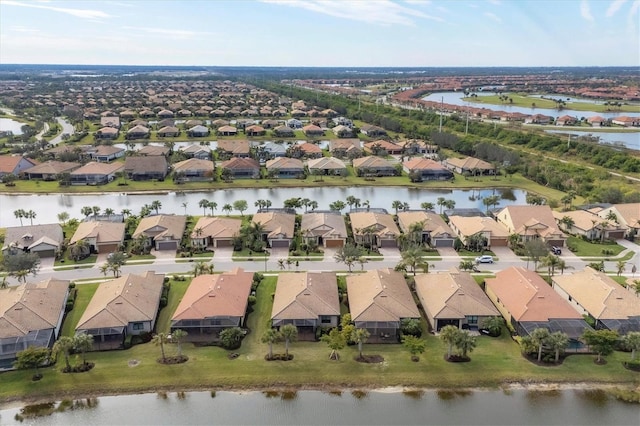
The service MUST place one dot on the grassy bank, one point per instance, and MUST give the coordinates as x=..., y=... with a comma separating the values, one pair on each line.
x=494, y=362
x=526, y=101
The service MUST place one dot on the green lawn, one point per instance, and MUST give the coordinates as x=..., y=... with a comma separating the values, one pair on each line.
x=246, y=253
x=67, y=262
x=84, y=295
x=527, y=101
x=587, y=249
x=178, y=288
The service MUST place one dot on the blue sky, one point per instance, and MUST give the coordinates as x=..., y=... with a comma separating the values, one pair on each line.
x=322, y=32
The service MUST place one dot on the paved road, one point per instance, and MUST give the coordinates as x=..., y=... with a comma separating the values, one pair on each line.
x=66, y=128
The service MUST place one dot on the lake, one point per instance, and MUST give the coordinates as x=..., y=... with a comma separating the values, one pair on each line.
x=629, y=139
x=47, y=206
x=480, y=407
x=12, y=125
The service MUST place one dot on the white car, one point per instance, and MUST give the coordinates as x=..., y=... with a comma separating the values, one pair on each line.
x=484, y=259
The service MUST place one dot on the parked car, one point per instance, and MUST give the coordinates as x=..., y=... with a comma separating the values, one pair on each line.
x=484, y=259
x=556, y=250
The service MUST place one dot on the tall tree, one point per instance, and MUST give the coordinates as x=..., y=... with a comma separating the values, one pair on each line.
x=336, y=341
x=19, y=214
x=63, y=217
x=360, y=336
x=289, y=335
x=539, y=337
x=414, y=345
x=413, y=257
x=270, y=337
x=204, y=205
x=601, y=342
x=449, y=334
x=558, y=342
x=631, y=341
x=178, y=336
x=241, y=206
x=63, y=346
x=159, y=340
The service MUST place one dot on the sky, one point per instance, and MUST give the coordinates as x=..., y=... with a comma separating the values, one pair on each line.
x=335, y=33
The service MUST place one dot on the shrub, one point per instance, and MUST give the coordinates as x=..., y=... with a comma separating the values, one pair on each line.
x=163, y=302
x=252, y=300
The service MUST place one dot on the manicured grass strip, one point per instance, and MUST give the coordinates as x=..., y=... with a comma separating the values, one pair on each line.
x=84, y=295
x=66, y=268
x=90, y=260
x=587, y=249
x=178, y=288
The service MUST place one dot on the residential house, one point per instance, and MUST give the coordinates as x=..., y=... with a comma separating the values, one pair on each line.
x=201, y=152
x=162, y=232
x=105, y=153
x=255, y=130
x=566, y=120
x=285, y=167
x=198, y=131
x=326, y=229
x=215, y=232
x=68, y=152
x=470, y=165
x=373, y=131
x=327, y=166
x=50, y=170
x=532, y=222
x=110, y=121
x=626, y=121
x=434, y=230
x=627, y=214
x=154, y=151
x=124, y=306
x=30, y=315
x=234, y=148
x=213, y=303
x=597, y=121
x=107, y=133
x=379, y=300
x=342, y=131
x=307, y=300
x=227, y=130
x=271, y=150
x=464, y=228
x=342, y=121
x=421, y=169
x=588, y=224
x=310, y=150
x=527, y=302
x=374, y=166
x=345, y=148
x=100, y=236
x=193, y=170
x=418, y=147
x=44, y=240
x=138, y=132
x=165, y=113
x=538, y=119
x=597, y=295
x=278, y=228
x=240, y=168
x=294, y=123
x=270, y=124
x=283, y=131
x=95, y=173
x=169, y=132
x=311, y=130
x=15, y=164
x=453, y=298
x=374, y=229
x=146, y=168
x=382, y=147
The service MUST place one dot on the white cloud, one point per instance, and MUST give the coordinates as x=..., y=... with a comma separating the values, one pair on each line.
x=492, y=16
x=170, y=32
x=21, y=29
x=78, y=13
x=384, y=12
x=614, y=7
x=495, y=2
x=585, y=11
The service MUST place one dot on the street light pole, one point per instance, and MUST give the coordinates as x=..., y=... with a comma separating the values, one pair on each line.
x=266, y=254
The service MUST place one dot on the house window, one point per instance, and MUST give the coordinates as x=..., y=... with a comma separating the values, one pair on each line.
x=138, y=326
x=324, y=319
x=473, y=319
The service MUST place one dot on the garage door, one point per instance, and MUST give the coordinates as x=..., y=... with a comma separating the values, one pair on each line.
x=443, y=243
x=46, y=253
x=495, y=242
x=556, y=243
x=388, y=243
x=280, y=243
x=167, y=245
x=333, y=243
x=224, y=243
x=107, y=248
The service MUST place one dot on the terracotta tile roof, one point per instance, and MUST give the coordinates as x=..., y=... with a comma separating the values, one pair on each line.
x=326, y=163
x=218, y=295
x=276, y=223
x=583, y=219
x=217, y=227
x=31, y=307
x=234, y=146
x=433, y=223
x=305, y=295
x=529, y=220
x=116, y=303
x=285, y=163
x=53, y=167
x=372, y=162
x=95, y=168
x=380, y=295
x=383, y=223
x=162, y=227
x=310, y=148
x=528, y=297
x=326, y=225
x=240, y=163
x=8, y=163
x=103, y=232
x=419, y=163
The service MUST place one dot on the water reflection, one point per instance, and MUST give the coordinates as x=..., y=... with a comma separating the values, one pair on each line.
x=33, y=411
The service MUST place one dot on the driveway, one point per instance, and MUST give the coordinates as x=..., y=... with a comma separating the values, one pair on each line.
x=223, y=253
x=504, y=253
x=390, y=253
x=448, y=253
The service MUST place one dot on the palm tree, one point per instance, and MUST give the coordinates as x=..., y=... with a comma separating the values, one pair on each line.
x=362, y=260
x=337, y=206
x=63, y=217
x=156, y=205
x=413, y=258
x=4, y=283
x=449, y=334
x=551, y=262
x=184, y=205
x=313, y=205
x=465, y=343
x=360, y=336
x=351, y=201
x=289, y=334
x=126, y=213
x=397, y=205
x=95, y=210
x=271, y=336
x=177, y=336
x=557, y=342
x=204, y=205
x=539, y=336
x=227, y=208
x=159, y=340
x=86, y=211
x=115, y=268
x=612, y=216
x=64, y=346
x=19, y=214
x=620, y=265
x=104, y=269
x=30, y=214
x=440, y=201
x=83, y=343
x=631, y=341
x=426, y=205
x=281, y=264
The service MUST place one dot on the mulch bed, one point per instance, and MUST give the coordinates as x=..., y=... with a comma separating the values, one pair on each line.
x=456, y=358
x=233, y=355
x=170, y=360
x=415, y=358
x=278, y=357
x=533, y=358
x=369, y=359
x=632, y=366
x=79, y=368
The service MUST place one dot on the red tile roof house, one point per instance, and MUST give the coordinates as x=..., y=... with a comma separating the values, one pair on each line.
x=532, y=222
x=14, y=164
x=312, y=130
x=102, y=237
x=307, y=300
x=527, y=302
x=255, y=130
x=107, y=133
x=310, y=150
x=162, y=232
x=95, y=173
x=435, y=230
x=378, y=301
x=213, y=303
x=146, y=168
x=566, y=120
x=625, y=121
x=240, y=168
x=50, y=170
x=374, y=229
x=31, y=315
x=421, y=169
x=44, y=240
x=215, y=232
x=124, y=306
x=278, y=227
x=597, y=121
x=227, y=131
x=453, y=298
x=194, y=170
x=382, y=147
